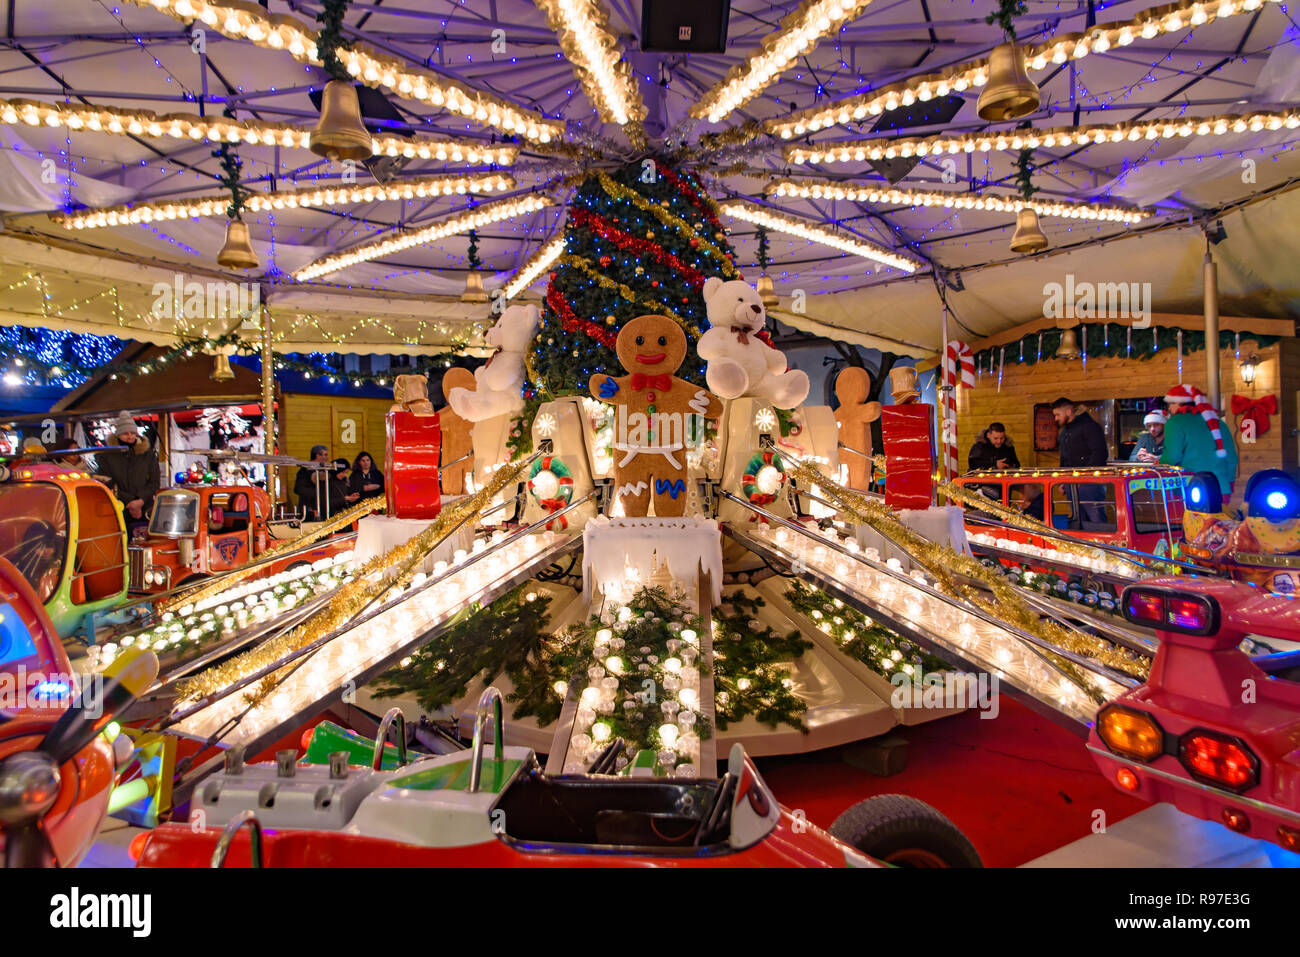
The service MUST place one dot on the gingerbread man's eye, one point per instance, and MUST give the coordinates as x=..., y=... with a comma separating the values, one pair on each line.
x=640, y=340
x=663, y=340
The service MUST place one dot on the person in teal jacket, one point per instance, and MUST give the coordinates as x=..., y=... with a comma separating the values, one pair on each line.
x=1192, y=444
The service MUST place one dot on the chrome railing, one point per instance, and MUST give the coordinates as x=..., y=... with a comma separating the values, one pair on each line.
x=490, y=697
x=228, y=837
x=381, y=738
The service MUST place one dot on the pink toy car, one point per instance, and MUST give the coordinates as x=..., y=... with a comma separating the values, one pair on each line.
x=1212, y=731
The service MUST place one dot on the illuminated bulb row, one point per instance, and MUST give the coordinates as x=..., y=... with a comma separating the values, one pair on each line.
x=313, y=197
x=608, y=81
x=1147, y=25
x=1100, y=562
x=246, y=21
x=471, y=219
x=347, y=655
x=537, y=264
x=1000, y=204
x=792, y=227
x=799, y=32
x=222, y=129
x=857, y=152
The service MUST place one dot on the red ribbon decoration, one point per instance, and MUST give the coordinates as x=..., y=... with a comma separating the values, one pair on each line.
x=690, y=194
x=1258, y=409
x=554, y=505
x=629, y=243
x=641, y=381
x=602, y=334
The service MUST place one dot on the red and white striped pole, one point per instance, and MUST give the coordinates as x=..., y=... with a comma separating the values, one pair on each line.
x=958, y=369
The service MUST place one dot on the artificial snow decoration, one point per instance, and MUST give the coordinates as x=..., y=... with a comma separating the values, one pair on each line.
x=622, y=551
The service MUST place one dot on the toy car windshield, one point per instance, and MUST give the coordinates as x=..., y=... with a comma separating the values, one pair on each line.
x=34, y=533
x=175, y=515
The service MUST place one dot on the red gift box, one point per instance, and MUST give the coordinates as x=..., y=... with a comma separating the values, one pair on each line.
x=411, y=474
x=907, y=432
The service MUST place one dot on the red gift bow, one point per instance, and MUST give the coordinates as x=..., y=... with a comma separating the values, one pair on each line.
x=554, y=505
x=1258, y=409
x=743, y=333
x=641, y=381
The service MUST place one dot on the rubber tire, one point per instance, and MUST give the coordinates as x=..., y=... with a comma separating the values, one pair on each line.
x=890, y=824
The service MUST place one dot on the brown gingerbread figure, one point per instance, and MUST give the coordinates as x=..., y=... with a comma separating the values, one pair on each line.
x=456, y=439
x=854, y=417
x=654, y=406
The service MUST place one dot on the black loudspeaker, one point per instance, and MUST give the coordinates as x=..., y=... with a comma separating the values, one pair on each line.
x=684, y=26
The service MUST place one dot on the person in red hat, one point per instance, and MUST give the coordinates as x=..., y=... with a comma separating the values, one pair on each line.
x=1195, y=439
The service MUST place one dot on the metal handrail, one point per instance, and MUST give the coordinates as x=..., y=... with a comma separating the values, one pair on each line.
x=228, y=836
x=381, y=738
x=489, y=697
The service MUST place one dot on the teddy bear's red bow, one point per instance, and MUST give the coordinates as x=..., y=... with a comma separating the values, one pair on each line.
x=1258, y=409
x=642, y=381
x=744, y=332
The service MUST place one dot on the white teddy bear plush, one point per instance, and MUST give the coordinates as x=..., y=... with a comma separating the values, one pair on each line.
x=741, y=360
x=497, y=389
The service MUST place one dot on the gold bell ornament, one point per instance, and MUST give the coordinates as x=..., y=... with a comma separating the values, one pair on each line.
x=237, y=252
x=767, y=292
x=221, y=371
x=474, y=289
x=1009, y=93
x=340, y=134
x=1027, y=238
x=1069, y=347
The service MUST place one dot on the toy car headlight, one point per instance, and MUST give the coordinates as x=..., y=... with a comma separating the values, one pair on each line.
x=1273, y=495
x=1133, y=734
x=148, y=578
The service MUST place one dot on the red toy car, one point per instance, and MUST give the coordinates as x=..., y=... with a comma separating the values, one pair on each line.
x=464, y=810
x=1212, y=731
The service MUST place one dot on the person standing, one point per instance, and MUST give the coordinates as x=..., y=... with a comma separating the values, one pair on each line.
x=1081, y=439
x=133, y=473
x=1151, y=442
x=1194, y=439
x=366, y=481
x=993, y=449
x=311, y=485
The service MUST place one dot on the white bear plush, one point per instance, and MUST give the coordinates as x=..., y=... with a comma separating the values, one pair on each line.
x=498, y=383
x=740, y=359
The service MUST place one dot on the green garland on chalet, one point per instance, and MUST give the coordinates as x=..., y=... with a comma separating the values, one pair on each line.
x=1109, y=339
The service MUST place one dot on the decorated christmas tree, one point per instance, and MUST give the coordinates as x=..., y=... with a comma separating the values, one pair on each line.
x=638, y=241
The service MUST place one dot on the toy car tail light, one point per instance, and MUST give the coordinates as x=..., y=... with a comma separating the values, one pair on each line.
x=1189, y=613
x=1127, y=779
x=1219, y=759
x=1288, y=837
x=1130, y=733
x=1235, y=820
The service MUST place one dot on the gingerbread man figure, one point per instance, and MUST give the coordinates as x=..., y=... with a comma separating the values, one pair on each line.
x=654, y=408
x=854, y=417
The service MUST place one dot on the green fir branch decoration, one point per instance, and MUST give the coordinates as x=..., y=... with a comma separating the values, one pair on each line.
x=762, y=250
x=474, y=262
x=749, y=673
x=330, y=39
x=1005, y=16
x=1024, y=176
x=230, y=167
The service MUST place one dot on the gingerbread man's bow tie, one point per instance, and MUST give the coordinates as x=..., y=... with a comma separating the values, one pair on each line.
x=641, y=381
x=762, y=335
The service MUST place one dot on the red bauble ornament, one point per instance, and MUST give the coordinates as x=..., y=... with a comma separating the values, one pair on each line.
x=605, y=261
x=654, y=283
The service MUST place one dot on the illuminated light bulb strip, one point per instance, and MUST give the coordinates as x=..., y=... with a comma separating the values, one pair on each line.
x=1183, y=126
x=246, y=21
x=799, y=32
x=804, y=230
x=315, y=197
x=999, y=204
x=470, y=219
x=532, y=270
x=606, y=78
x=219, y=129
x=1150, y=23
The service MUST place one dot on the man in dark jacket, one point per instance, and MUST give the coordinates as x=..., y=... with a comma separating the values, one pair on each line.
x=1083, y=445
x=1081, y=439
x=993, y=450
x=305, y=483
x=133, y=473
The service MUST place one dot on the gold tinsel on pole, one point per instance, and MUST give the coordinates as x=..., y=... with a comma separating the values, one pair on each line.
x=942, y=562
x=382, y=573
x=339, y=521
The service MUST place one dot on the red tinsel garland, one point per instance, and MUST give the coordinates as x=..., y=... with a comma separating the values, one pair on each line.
x=571, y=323
x=629, y=243
x=691, y=195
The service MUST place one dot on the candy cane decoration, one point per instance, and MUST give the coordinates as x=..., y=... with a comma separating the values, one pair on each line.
x=958, y=354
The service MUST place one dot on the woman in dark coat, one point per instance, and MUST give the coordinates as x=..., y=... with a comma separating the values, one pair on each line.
x=366, y=481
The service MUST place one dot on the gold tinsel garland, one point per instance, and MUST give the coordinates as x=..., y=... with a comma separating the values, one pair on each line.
x=941, y=561
x=585, y=266
x=394, y=569
x=689, y=232
x=1027, y=523
x=339, y=521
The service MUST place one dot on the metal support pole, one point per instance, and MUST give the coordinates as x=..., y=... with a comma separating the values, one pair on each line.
x=1211, y=280
x=940, y=396
x=268, y=404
